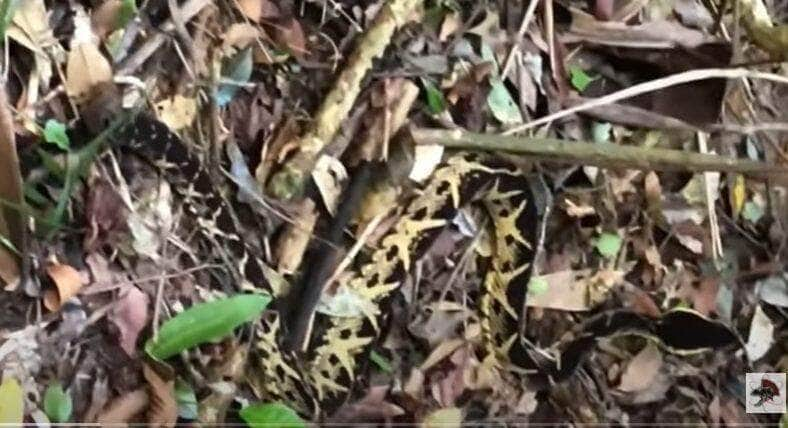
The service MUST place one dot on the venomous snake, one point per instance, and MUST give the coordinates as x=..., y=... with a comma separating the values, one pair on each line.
x=317, y=380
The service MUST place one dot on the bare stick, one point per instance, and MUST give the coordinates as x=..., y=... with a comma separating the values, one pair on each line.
x=288, y=183
x=653, y=85
x=602, y=155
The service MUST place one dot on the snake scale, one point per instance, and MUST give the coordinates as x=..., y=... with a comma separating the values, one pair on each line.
x=321, y=377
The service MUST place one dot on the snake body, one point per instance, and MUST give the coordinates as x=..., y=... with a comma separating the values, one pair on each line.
x=323, y=375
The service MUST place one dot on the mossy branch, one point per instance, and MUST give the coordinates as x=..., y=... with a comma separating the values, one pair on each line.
x=602, y=155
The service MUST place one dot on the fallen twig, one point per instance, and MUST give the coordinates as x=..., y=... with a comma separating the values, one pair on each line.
x=653, y=85
x=289, y=182
x=602, y=155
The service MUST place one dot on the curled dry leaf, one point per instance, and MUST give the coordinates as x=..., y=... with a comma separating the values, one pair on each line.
x=106, y=214
x=163, y=410
x=426, y=158
x=372, y=406
x=177, y=112
x=641, y=370
x=67, y=280
x=761, y=335
x=130, y=315
x=449, y=417
x=105, y=18
x=257, y=9
x=571, y=290
x=124, y=408
x=329, y=175
x=86, y=69
x=12, y=222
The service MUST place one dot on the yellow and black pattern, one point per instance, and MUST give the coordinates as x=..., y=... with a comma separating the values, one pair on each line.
x=321, y=377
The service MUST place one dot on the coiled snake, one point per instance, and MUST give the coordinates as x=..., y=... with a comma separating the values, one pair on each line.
x=318, y=379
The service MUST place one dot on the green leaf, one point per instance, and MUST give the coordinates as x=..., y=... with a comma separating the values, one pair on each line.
x=502, y=104
x=128, y=10
x=537, y=285
x=381, y=362
x=237, y=70
x=579, y=79
x=187, y=400
x=600, y=131
x=12, y=403
x=57, y=403
x=752, y=212
x=608, y=244
x=7, y=10
x=271, y=415
x=55, y=133
x=205, y=322
x=436, y=103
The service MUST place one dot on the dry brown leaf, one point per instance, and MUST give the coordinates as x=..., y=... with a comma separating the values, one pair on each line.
x=124, y=408
x=288, y=33
x=12, y=222
x=68, y=281
x=177, y=112
x=329, y=176
x=572, y=290
x=106, y=213
x=443, y=350
x=450, y=417
x=163, y=411
x=86, y=69
x=258, y=9
x=372, y=407
x=451, y=23
x=104, y=18
x=239, y=36
x=130, y=315
x=641, y=370
x=654, y=34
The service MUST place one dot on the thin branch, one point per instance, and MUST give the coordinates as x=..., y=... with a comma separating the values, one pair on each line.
x=653, y=85
x=602, y=155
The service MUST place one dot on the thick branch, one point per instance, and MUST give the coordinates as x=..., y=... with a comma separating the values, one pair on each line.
x=602, y=155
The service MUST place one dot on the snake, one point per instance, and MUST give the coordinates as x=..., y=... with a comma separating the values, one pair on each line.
x=319, y=378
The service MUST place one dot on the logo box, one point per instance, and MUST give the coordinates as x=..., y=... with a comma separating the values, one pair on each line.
x=765, y=392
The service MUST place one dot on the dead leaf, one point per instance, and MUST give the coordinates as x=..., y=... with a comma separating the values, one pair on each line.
x=641, y=370
x=573, y=290
x=704, y=296
x=287, y=33
x=655, y=34
x=373, y=406
x=450, y=417
x=239, y=36
x=163, y=411
x=67, y=280
x=130, y=315
x=761, y=336
x=86, y=69
x=329, y=176
x=13, y=224
x=451, y=23
x=443, y=350
x=177, y=112
x=106, y=214
x=105, y=18
x=124, y=408
x=426, y=159
x=257, y=9
x=30, y=28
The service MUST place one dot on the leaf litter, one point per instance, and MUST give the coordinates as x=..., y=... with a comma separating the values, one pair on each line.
x=643, y=239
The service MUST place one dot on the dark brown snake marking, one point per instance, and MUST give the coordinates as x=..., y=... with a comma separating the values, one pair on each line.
x=323, y=376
